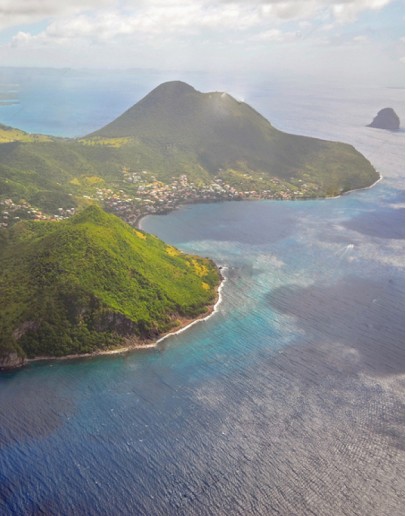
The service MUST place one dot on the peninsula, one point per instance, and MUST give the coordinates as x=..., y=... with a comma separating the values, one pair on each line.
x=93, y=284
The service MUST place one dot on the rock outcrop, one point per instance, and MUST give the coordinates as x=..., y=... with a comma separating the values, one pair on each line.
x=386, y=119
x=11, y=360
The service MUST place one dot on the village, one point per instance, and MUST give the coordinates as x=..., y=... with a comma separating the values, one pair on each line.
x=140, y=194
x=155, y=197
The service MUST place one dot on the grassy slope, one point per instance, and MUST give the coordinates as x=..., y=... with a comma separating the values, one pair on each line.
x=79, y=285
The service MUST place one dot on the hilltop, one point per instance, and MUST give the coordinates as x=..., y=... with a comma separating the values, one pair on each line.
x=175, y=145
x=92, y=283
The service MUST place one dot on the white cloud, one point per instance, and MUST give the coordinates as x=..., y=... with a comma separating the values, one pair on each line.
x=20, y=12
x=347, y=11
x=327, y=27
x=159, y=15
x=341, y=10
x=360, y=39
x=277, y=36
x=158, y=19
x=21, y=38
x=188, y=33
x=262, y=21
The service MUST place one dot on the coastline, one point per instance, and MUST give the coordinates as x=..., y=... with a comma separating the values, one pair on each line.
x=366, y=187
x=204, y=317
x=138, y=220
x=357, y=189
x=134, y=344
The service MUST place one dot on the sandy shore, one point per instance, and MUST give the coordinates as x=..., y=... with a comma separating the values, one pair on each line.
x=212, y=310
x=134, y=343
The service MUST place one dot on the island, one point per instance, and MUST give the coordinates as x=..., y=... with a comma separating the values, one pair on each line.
x=77, y=276
x=93, y=284
x=175, y=146
x=386, y=119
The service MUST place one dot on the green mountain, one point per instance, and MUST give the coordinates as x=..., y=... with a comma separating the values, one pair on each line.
x=221, y=136
x=174, y=131
x=91, y=283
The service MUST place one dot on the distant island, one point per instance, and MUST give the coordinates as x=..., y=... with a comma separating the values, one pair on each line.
x=176, y=145
x=386, y=119
x=93, y=284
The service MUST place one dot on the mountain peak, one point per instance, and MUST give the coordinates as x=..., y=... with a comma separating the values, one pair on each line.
x=156, y=113
x=175, y=112
x=173, y=87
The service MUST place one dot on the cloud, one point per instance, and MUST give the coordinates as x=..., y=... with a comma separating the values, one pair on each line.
x=276, y=35
x=172, y=18
x=341, y=10
x=179, y=15
x=360, y=39
x=262, y=21
x=347, y=11
x=206, y=33
x=21, y=12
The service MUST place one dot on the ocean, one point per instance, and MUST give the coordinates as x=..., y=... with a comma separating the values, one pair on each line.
x=289, y=400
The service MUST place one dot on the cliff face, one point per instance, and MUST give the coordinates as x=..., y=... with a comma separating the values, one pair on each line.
x=386, y=119
x=11, y=361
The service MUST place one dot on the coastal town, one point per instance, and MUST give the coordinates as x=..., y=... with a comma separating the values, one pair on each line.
x=141, y=193
x=157, y=197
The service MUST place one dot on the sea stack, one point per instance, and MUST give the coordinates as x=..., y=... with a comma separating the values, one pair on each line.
x=386, y=119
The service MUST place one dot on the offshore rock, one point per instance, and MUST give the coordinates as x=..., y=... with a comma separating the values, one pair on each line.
x=11, y=360
x=386, y=119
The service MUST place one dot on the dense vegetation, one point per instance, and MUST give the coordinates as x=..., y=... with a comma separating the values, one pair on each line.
x=87, y=283
x=176, y=130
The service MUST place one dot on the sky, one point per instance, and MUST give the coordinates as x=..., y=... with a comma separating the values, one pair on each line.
x=336, y=39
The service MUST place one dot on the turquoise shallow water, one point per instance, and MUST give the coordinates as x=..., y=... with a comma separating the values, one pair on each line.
x=289, y=400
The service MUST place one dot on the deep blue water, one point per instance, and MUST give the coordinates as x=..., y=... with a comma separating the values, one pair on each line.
x=289, y=400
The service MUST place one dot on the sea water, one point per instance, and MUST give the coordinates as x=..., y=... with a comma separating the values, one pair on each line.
x=289, y=400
